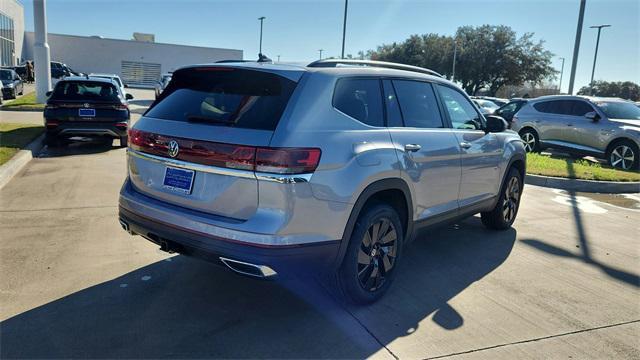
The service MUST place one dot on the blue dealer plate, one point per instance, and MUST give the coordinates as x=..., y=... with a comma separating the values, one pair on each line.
x=180, y=180
x=87, y=112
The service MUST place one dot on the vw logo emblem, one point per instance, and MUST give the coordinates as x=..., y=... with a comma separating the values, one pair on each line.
x=86, y=105
x=173, y=148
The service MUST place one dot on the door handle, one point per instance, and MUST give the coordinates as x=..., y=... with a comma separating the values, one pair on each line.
x=412, y=147
x=465, y=145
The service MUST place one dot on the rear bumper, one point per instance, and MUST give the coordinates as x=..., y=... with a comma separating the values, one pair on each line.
x=70, y=129
x=284, y=260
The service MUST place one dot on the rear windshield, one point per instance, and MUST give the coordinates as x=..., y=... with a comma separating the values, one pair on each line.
x=225, y=97
x=85, y=91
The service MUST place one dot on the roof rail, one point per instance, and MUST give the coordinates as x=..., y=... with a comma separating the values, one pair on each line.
x=372, y=63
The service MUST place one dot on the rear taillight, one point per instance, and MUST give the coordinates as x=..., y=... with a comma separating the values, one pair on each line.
x=51, y=124
x=51, y=106
x=121, y=107
x=242, y=157
x=287, y=160
x=122, y=125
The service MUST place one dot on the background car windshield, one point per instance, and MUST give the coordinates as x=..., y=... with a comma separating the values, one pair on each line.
x=85, y=91
x=620, y=110
x=225, y=96
x=488, y=104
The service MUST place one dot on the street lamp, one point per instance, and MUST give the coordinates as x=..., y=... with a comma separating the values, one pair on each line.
x=320, y=51
x=595, y=56
x=278, y=58
x=561, y=73
x=261, y=18
x=576, y=47
x=344, y=27
x=455, y=52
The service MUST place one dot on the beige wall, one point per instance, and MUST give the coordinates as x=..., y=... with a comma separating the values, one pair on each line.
x=93, y=54
x=15, y=10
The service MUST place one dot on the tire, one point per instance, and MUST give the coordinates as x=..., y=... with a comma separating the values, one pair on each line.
x=368, y=268
x=623, y=154
x=504, y=213
x=530, y=139
x=124, y=141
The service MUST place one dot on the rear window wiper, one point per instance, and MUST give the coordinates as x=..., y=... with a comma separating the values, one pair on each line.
x=199, y=118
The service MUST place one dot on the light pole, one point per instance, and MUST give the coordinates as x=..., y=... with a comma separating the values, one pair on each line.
x=595, y=56
x=320, y=51
x=576, y=47
x=561, y=73
x=344, y=26
x=455, y=52
x=278, y=58
x=261, y=18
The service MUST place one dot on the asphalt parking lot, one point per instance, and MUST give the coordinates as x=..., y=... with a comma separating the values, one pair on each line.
x=562, y=283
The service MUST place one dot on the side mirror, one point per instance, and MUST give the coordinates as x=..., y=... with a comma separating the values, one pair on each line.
x=129, y=96
x=48, y=93
x=126, y=85
x=495, y=124
x=592, y=115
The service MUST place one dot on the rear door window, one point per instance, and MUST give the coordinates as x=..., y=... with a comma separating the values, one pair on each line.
x=361, y=99
x=560, y=107
x=225, y=97
x=418, y=104
x=85, y=91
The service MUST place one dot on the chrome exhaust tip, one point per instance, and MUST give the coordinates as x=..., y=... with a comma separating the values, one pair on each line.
x=245, y=268
x=124, y=226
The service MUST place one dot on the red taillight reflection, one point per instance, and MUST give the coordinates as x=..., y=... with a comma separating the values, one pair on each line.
x=52, y=123
x=242, y=157
x=287, y=160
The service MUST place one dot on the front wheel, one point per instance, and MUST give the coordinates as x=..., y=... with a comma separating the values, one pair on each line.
x=504, y=213
x=371, y=260
x=623, y=155
x=530, y=139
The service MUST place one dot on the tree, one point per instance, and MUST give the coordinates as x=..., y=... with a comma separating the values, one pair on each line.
x=487, y=57
x=626, y=90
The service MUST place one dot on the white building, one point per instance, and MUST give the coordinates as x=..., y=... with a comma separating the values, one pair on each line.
x=138, y=63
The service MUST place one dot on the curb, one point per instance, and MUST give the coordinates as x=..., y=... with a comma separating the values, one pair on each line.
x=605, y=187
x=19, y=160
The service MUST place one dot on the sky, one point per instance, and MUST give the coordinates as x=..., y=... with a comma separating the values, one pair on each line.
x=297, y=29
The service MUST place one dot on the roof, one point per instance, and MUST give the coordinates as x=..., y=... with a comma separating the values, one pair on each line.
x=85, y=78
x=576, y=97
x=103, y=75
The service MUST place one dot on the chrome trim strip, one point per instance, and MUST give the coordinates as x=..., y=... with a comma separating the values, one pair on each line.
x=88, y=131
x=284, y=178
x=264, y=270
x=192, y=166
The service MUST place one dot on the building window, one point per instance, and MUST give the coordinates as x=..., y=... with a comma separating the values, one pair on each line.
x=7, y=44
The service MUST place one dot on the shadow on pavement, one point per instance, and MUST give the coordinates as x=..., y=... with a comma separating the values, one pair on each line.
x=81, y=146
x=192, y=309
x=585, y=256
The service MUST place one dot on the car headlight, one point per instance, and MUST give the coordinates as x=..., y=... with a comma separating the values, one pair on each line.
x=9, y=85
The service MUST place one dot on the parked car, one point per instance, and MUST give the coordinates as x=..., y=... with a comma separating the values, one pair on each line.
x=275, y=169
x=607, y=128
x=507, y=111
x=113, y=77
x=487, y=107
x=495, y=100
x=1, y=92
x=12, y=84
x=84, y=106
x=162, y=84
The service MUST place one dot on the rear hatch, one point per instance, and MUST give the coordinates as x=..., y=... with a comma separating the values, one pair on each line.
x=86, y=101
x=196, y=146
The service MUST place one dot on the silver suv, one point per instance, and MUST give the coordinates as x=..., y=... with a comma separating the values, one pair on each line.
x=331, y=167
x=606, y=128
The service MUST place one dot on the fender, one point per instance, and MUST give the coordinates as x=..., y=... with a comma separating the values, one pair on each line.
x=369, y=191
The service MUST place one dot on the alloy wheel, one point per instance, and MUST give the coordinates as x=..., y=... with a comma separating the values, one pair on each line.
x=622, y=157
x=377, y=254
x=529, y=141
x=511, y=198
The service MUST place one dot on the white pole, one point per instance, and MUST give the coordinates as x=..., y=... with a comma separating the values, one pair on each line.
x=41, y=54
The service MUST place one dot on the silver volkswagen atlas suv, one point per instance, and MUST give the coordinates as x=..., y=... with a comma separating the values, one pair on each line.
x=330, y=168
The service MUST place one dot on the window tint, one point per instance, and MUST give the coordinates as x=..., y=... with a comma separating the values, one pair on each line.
x=418, y=104
x=85, y=91
x=462, y=113
x=561, y=107
x=360, y=99
x=394, y=116
x=225, y=97
x=580, y=108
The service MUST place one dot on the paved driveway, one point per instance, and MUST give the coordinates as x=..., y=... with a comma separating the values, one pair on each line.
x=562, y=283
